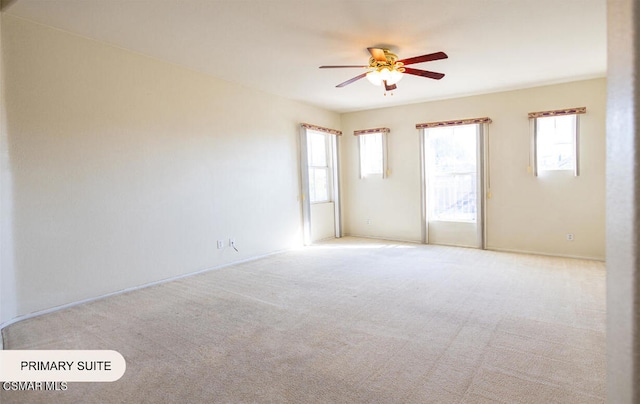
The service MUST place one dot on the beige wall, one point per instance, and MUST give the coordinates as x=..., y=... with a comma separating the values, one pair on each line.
x=126, y=170
x=525, y=213
x=119, y=170
x=322, y=221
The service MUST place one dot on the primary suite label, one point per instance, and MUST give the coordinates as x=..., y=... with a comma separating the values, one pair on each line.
x=61, y=366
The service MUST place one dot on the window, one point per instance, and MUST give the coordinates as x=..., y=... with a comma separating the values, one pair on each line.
x=451, y=153
x=319, y=182
x=319, y=163
x=373, y=151
x=555, y=140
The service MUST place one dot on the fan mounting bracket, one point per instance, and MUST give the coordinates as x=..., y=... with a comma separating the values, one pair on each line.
x=391, y=60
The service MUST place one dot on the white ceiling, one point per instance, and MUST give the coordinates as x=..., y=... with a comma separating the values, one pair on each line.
x=277, y=45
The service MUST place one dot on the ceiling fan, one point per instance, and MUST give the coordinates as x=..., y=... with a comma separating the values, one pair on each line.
x=388, y=70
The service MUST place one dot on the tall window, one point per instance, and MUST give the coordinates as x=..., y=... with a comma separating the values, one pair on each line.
x=373, y=151
x=555, y=140
x=319, y=163
x=451, y=153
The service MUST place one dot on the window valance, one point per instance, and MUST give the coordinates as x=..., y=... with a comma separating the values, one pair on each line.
x=453, y=123
x=321, y=129
x=568, y=111
x=368, y=131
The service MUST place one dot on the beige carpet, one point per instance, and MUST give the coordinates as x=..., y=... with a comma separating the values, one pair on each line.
x=348, y=321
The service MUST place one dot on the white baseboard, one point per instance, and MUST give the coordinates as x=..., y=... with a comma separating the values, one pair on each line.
x=383, y=238
x=133, y=288
x=515, y=251
x=580, y=257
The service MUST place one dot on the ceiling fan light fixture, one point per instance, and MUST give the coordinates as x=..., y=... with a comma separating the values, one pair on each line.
x=395, y=76
x=387, y=73
x=375, y=77
x=388, y=70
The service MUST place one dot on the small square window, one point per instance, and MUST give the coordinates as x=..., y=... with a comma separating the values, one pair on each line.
x=556, y=143
x=372, y=154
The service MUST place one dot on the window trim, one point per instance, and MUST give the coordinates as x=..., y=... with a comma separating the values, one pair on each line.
x=304, y=180
x=479, y=173
x=533, y=118
x=327, y=167
x=484, y=181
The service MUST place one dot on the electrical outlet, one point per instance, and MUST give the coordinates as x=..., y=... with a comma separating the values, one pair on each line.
x=569, y=236
x=220, y=244
x=368, y=221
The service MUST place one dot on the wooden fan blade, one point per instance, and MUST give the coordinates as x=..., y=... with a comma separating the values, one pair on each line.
x=389, y=87
x=424, y=73
x=378, y=54
x=424, y=58
x=358, y=77
x=340, y=67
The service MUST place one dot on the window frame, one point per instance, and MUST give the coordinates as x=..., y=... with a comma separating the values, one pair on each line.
x=362, y=135
x=484, y=183
x=476, y=176
x=534, y=165
x=327, y=168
